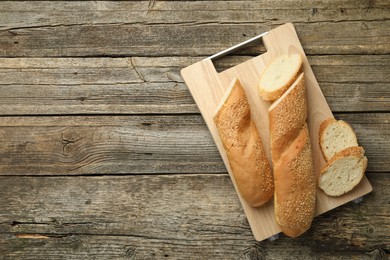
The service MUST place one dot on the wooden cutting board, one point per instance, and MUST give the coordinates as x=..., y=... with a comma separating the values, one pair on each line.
x=207, y=87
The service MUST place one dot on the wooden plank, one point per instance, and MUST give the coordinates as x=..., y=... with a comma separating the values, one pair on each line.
x=156, y=98
x=68, y=145
x=154, y=85
x=109, y=144
x=327, y=68
x=127, y=247
x=173, y=216
x=39, y=13
x=362, y=97
x=369, y=37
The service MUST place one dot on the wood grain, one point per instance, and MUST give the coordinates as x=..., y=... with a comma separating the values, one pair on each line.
x=72, y=145
x=206, y=222
x=369, y=37
x=99, y=217
x=153, y=85
x=60, y=13
x=109, y=144
x=127, y=247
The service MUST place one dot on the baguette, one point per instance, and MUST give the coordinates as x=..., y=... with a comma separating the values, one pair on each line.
x=343, y=172
x=295, y=185
x=243, y=146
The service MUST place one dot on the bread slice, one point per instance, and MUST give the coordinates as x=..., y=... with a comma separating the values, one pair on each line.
x=335, y=136
x=243, y=146
x=279, y=75
x=343, y=172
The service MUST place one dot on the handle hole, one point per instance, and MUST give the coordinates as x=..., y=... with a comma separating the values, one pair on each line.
x=241, y=55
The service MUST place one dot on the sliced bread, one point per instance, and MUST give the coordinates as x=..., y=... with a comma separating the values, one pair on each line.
x=335, y=136
x=279, y=75
x=343, y=172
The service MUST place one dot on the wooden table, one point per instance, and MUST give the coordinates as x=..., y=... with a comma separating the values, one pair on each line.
x=103, y=152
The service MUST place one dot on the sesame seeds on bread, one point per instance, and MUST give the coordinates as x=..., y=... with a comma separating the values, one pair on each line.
x=279, y=75
x=284, y=129
x=243, y=146
x=335, y=136
x=343, y=172
x=295, y=186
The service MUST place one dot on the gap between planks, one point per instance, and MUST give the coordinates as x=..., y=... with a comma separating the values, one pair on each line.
x=158, y=114
x=160, y=174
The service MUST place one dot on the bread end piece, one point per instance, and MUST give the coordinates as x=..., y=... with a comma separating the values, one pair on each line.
x=296, y=187
x=279, y=75
x=244, y=148
x=335, y=136
x=343, y=172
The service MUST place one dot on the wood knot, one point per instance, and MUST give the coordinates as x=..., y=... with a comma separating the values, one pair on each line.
x=130, y=252
x=254, y=253
x=67, y=141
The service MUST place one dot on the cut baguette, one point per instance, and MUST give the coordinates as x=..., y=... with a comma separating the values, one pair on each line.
x=244, y=148
x=279, y=76
x=295, y=184
x=343, y=172
x=287, y=116
x=335, y=136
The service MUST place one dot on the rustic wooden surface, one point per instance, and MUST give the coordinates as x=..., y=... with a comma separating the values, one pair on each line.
x=103, y=153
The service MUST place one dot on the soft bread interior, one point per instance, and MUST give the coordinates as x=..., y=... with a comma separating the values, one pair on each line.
x=337, y=136
x=280, y=72
x=342, y=174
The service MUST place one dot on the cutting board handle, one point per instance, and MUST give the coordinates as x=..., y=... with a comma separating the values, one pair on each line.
x=235, y=47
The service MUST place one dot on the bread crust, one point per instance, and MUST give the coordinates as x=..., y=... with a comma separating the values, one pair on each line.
x=244, y=148
x=295, y=184
x=321, y=135
x=354, y=151
x=324, y=125
x=287, y=117
x=273, y=95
